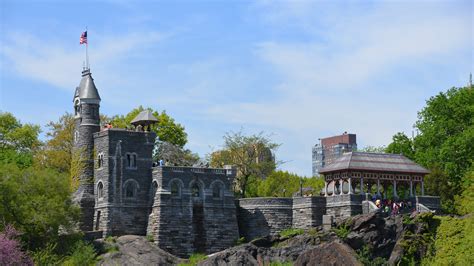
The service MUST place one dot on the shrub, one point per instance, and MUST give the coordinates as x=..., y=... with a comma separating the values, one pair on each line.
x=150, y=238
x=240, y=241
x=82, y=254
x=342, y=231
x=291, y=232
x=194, y=259
x=10, y=251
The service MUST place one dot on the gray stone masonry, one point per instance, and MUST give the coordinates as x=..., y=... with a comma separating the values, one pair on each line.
x=343, y=206
x=124, y=178
x=193, y=210
x=308, y=211
x=264, y=216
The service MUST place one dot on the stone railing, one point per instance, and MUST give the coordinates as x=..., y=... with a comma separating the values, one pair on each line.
x=184, y=169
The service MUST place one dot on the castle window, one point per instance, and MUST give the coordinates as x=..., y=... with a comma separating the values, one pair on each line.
x=100, y=190
x=216, y=191
x=195, y=190
x=154, y=187
x=76, y=136
x=131, y=160
x=100, y=160
x=131, y=188
x=175, y=189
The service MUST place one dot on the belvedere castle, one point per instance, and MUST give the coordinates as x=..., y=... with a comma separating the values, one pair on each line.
x=187, y=209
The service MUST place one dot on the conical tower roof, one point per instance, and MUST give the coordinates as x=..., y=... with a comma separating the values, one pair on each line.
x=87, y=88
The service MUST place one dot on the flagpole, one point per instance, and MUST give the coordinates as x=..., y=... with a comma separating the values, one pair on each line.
x=87, y=53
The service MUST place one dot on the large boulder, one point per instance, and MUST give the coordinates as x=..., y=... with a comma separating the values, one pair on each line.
x=137, y=250
x=331, y=253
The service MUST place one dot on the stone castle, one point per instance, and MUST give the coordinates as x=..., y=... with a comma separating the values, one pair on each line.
x=187, y=209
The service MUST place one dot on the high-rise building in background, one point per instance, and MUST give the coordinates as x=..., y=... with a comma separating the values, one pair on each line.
x=331, y=148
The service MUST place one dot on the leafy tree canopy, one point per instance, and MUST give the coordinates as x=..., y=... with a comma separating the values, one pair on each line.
x=401, y=144
x=166, y=129
x=37, y=202
x=251, y=155
x=17, y=141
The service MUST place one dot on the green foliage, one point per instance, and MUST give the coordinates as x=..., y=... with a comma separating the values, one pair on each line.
x=251, y=155
x=47, y=256
x=379, y=149
x=194, y=259
x=82, y=254
x=37, y=202
x=291, y=232
x=56, y=153
x=240, y=241
x=417, y=241
x=453, y=244
x=342, y=231
x=279, y=263
x=364, y=255
x=465, y=202
x=279, y=184
x=166, y=129
x=446, y=139
x=150, y=238
x=401, y=144
x=17, y=141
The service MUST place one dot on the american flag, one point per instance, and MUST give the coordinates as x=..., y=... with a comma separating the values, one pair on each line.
x=83, y=38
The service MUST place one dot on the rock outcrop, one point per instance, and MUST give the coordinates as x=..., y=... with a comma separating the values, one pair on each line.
x=137, y=250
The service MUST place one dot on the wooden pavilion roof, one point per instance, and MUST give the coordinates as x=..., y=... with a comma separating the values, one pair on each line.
x=376, y=162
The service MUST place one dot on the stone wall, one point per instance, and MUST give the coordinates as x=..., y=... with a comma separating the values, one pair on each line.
x=193, y=210
x=125, y=203
x=259, y=217
x=308, y=211
x=343, y=206
x=430, y=202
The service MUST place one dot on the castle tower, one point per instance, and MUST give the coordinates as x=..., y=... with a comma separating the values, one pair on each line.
x=87, y=122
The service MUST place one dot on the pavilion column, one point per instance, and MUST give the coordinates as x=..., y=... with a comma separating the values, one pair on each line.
x=341, y=181
x=395, y=188
x=378, y=186
x=422, y=188
x=325, y=188
x=334, y=187
x=350, y=186
x=361, y=185
x=411, y=187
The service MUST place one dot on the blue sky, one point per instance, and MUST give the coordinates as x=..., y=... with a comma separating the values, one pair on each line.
x=298, y=70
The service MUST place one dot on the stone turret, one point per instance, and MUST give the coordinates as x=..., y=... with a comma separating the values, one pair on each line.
x=87, y=122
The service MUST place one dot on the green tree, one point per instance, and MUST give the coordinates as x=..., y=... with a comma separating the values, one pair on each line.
x=446, y=139
x=401, y=144
x=18, y=141
x=37, y=202
x=166, y=129
x=280, y=184
x=56, y=153
x=251, y=155
x=372, y=149
x=174, y=154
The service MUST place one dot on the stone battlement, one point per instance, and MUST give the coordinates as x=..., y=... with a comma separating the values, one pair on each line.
x=184, y=169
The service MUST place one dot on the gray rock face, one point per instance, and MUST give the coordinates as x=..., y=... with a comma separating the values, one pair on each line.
x=136, y=250
x=375, y=230
x=332, y=253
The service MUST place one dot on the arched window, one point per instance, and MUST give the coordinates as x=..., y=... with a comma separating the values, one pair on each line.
x=175, y=189
x=216, y=191
x=100, y=190
x=131, y=188
x=195, y=190
x=100, y=160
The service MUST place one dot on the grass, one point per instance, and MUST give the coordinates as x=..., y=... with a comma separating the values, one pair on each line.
x=291, y=232
x=194, y=259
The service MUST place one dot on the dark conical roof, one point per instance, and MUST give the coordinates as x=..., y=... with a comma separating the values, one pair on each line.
x=87, y=89
x=145, y=117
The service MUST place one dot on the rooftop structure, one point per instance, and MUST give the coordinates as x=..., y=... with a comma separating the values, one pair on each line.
x=331, y=148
